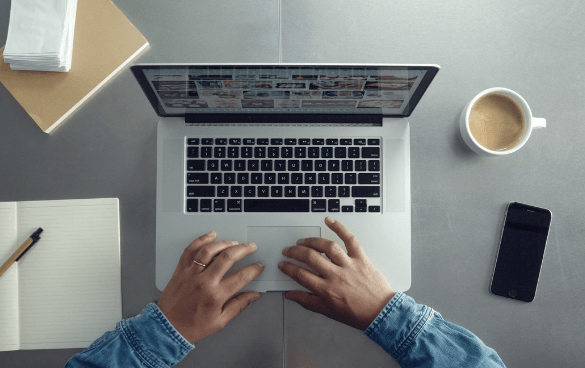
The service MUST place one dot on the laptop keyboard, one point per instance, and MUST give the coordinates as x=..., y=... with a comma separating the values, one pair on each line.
x=283, y=175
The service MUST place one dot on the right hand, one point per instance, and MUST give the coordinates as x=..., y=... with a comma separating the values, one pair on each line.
x=348, y=289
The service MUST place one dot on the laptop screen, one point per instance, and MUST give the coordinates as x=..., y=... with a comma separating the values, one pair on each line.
x=390, y=90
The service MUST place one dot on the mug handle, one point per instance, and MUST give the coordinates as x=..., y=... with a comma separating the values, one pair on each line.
x=538, y=123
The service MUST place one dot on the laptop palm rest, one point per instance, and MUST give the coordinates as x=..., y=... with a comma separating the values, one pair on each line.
x=270, y=241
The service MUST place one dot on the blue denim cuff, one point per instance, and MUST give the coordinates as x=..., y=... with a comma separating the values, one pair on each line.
x=154, y=338
x=398, y=324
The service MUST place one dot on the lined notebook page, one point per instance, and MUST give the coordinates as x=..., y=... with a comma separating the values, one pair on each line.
x=9, y=281
x=69, y=283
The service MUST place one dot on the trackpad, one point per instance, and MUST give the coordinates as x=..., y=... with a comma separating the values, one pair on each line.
x=270, y=241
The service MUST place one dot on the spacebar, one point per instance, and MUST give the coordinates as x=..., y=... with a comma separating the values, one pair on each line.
x=276, y=205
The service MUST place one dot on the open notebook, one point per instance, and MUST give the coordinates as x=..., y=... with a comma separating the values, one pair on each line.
x=66, y=291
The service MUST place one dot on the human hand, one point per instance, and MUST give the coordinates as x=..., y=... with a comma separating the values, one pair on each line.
x=198, y=301
x=348, y=289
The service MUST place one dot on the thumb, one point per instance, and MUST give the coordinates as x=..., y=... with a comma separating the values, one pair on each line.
x=237, y=304
x=308, y=301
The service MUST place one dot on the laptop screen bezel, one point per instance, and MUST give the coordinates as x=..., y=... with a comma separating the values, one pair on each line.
x=137, y=70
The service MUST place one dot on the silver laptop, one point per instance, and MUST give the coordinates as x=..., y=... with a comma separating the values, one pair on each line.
x=264, y=152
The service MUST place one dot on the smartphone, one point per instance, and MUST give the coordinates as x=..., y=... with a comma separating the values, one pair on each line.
x=521, y=252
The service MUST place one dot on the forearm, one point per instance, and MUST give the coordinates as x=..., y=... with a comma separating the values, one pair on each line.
x=146, y=340
x=416, y=336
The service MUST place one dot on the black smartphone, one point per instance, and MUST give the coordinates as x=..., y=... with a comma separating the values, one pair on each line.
x=521, y=251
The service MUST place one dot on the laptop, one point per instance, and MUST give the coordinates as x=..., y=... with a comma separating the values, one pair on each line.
x=264, y=152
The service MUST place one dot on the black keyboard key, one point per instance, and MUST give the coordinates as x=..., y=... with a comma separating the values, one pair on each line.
x=353, y=152
x=304, y=191
x=223, y=191
x=243, y=178
x=229, y=178
x=276, y=205
x=326, y=152
x=276, y=141
x=266, y=165
x=200, y=191
x=262, y=141
x=283, y=178
x=360, y=165
x=340, y=152
x=313, y=152
x=269, y=178
x=320, y=165
x=373, y=142
x=300, y=152
x=365, y=191
x=304, y=141
x=350, y=178
x=318, y=141
x=359, y=141
x=253, y=165
x=256, y=178
x=249, y=141
x=260, y=152
x=273, y=152
x=276, y=191
x=307, y=165
x=279, y=165
x=207, y=141
x=361, y=203
x=290, y=191
x=212, y=165
x=192, y=141
x=290, y=141
x=332, y=142
x=333, y=205
x=346, y=142
x=293, y=165
x=235, y=191
x=193, y=152
x=373, y=208
x=234, y=205
x=373, y=165
x=296, y=178
x=219, y=152
x=206, y=152
x=226, y=165
x=205, y=205
x=337, y=178
x=240, y=165
x=310, y=178
x=215, y=178
x=318, y=205
x=343, y=191
x=286, y=152
x=316, y=191
x=263, y=191
x=323, y=178
x=333, y=165
x=369, y=178
x=361, y=209
x=330, y=191
x=246, y=152
x=249, y=191
x=233, y=152
x=197, y=178
x=235, y=141
x=346, y=165
x=221, y=141
x=219, y=205
x=192, y=205
x=346, y=208
x=370, y=152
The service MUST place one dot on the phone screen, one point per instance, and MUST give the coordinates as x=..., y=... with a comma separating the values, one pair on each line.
x=521, y=252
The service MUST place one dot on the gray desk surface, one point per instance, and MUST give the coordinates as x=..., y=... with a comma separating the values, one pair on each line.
x=107, y=149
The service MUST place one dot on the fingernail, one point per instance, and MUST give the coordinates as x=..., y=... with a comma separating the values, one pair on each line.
x=280, y=264
x=211, y=233
x=254, y=246
x=301, y=241
x=256, y=298
x=235, y=242
x=329, y=220
x=261, y=264
x=285, y=249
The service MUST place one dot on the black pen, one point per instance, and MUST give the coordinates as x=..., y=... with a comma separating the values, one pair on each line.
x=16, y=256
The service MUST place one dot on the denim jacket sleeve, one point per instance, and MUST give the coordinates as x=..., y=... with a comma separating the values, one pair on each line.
x=417, y=336
x=146, y=340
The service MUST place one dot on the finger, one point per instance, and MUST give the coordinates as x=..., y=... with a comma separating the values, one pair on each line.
x=311, y=258
x=208, y=252
x=354, y=249
x=236, y=281
x=306, y=278
x=226, y=259
x=192, y=249
x=333, y=250
x=236, y=305
x=308, y=301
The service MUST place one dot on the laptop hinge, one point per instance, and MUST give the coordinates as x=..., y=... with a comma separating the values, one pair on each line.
x=284, y=119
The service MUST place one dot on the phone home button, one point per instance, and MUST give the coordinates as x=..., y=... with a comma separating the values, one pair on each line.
x=512, y=293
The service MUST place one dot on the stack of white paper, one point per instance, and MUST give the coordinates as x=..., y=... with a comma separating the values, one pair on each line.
x=40, y=35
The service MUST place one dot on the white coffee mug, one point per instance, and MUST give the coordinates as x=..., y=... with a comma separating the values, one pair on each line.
x=530, y=122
